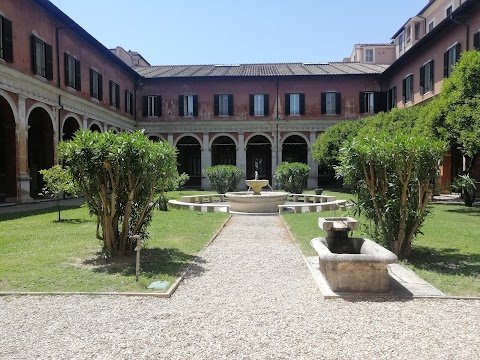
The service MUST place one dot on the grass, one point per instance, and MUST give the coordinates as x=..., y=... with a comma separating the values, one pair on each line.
x=447, y=254
x=42, y=254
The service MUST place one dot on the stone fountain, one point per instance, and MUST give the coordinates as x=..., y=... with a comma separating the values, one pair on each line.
x=256, y=201
x=351, y=264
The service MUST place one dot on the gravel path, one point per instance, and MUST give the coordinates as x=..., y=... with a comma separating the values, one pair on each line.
x=250, y=296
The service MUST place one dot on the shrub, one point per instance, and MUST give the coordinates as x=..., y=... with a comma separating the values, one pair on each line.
x=292, y=176
x=223, y=178
x=465, y=185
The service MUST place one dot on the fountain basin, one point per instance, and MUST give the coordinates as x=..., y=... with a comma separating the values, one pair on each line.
x=256, y=185
x=247, y=202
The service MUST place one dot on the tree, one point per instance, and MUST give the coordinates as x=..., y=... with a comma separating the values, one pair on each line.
x=58, y=181
x=122, y=177
x=392, y=176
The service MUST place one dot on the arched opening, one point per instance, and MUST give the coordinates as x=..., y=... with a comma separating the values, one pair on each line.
x=40, y=148
x=8, y=149
x=95, y=127
x=154, y=138
x=294, y=149
x=70, y=126
x=224, y=151
x=189, y=160
x=259, y=158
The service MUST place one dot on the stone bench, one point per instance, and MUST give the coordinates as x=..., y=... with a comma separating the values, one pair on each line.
x=206, y=198
x=313, y=207
x=312, y=198
x=203, y=207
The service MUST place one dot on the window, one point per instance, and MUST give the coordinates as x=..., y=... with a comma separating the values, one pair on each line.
x=6, y=39
x=408, y=89
x=72, y=72
x=151, y=105
x=42, y=63
x=188, y=105
x=114, y=90
x=128, y=102
x=369, y=55
x=476, y=41
x=368, y=102
x=426, y=77
x=400, y=43
x=259, y=105
x=223, y=104
x=294, y=104
x=431, y=25
x=449, y=11
x=372, y=102
x=408, y=34
x=392, y=98
x=96, y=85
x=331, y=103
x=450, y=58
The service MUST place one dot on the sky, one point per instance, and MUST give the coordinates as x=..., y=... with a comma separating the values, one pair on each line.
x=197, y=32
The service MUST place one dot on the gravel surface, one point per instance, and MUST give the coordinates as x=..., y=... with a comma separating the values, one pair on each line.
x=249, y=296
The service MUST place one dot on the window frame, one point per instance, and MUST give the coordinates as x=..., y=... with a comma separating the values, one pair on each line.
x=288, y=104
x=96, y=85
x=448, y=58
x=426, y=77
x=366, y=58
x=152, y=106
x=72, y=72
x=6, y=39
x=128, y=102
x=41, y=57
x=114, y=94
x=408, y=91
x=331, y=107
x=391, y=98
x=223, y=104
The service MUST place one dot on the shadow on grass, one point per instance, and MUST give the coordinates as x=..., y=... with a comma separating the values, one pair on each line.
x=445, y=261
x=74, y=221
x=153, y=262
x=473, y=211
x=22, y=214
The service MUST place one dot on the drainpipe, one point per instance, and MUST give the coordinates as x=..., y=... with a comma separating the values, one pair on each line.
x=467, y=31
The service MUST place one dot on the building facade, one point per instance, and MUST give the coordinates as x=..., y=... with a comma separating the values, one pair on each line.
x=55, y=79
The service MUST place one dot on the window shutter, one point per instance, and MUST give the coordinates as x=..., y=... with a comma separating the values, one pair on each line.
x=266, y=105
x=195, y=105
x=422, y=79
x=251, y=98
x=125, y=101
x=65, y=65
x=33, y=53
x=404, y=89
x=48, y=62
x=145, y=106
x=445, y=64
x=158, y=106
x=431, y=74
x=394, y=96
x=110, y=92
x=100, y=87
x=362, y=102
x=7, y=40
x=379, y=101
x=323, y=103
x=476, y=41
x=338, y=103
x=457, y=52
x=91, y=82
x=411, y=88
x=302, y=104
x=117, y=93
x=181, y=111
x=287, y=104
x=78, y=76
x=230, y=104
x=215, y=105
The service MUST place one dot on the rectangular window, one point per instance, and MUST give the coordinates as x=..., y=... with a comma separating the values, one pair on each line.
x=400, y=43
x=408, y=89
x=223, y=105
x=449, y=11
x=392, y=98
x=426, y=77
x=42, y=63
x=369, y=102
x=72, y=72
x=294, y=104
x=188, y=105
x=128, y=102
x=114, y=90
x=431, y=25
x=6, y=39
x=96, y=85
x=369, y=55
x=151, y=105
x=408, y=34
x=259, y=105
x=331, y=103
x=450, y=58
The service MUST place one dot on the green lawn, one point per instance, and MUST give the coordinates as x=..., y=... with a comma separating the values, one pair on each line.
x=447, y=254
x=40, y=254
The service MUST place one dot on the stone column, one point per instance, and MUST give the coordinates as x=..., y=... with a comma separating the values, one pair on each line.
x=21, y=135
x=241, y=154
x=313, y=176
x=105, y=127
x=206, y=159
x=170, y=138
x=85, y=122
x=276, y=156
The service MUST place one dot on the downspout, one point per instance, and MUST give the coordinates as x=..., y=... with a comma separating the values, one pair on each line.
x=60, y=106
x=467, y=31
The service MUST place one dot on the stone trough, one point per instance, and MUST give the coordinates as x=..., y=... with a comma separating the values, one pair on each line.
x=351, y=264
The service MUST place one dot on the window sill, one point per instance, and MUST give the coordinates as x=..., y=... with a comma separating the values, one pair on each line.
x=41, y=78
x=188, y=116
x=71, y=89
x=95, y=100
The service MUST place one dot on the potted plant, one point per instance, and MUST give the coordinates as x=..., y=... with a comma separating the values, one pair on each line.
x=318, y=191
x=465, y=185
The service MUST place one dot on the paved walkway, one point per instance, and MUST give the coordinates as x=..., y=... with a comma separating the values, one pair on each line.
x=249, y=296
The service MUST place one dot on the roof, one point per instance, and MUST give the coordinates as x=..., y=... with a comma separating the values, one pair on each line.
x=260, y=70
x=380, y=44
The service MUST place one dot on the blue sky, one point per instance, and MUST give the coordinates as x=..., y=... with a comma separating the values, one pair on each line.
x=177, y=32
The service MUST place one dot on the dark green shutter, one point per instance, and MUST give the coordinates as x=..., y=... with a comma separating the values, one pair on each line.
x=457, y=52
x=446, y=70
x=287, y=104
x=323, y=103
x=266, y=105
x=48, y=62
x=404, y=90
x=230, y=104
x=411, y=88
x=251, y=99
x=432, y=72
x=145, y=106
x=125, y=102
x=91, y=82
x=379, y=101
x=362, y=102
x=158, y=106
x=338, y=103
x=33, y=53
x=476, y=41
x=66, y=68
x=117, y=97
x=100, y=87
x=110, y=92
x=216, y=105
x=195, y=105
x=422, y=79
x=7, y=40
x=181, y=111
x=302, y=104
x=78, y=76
